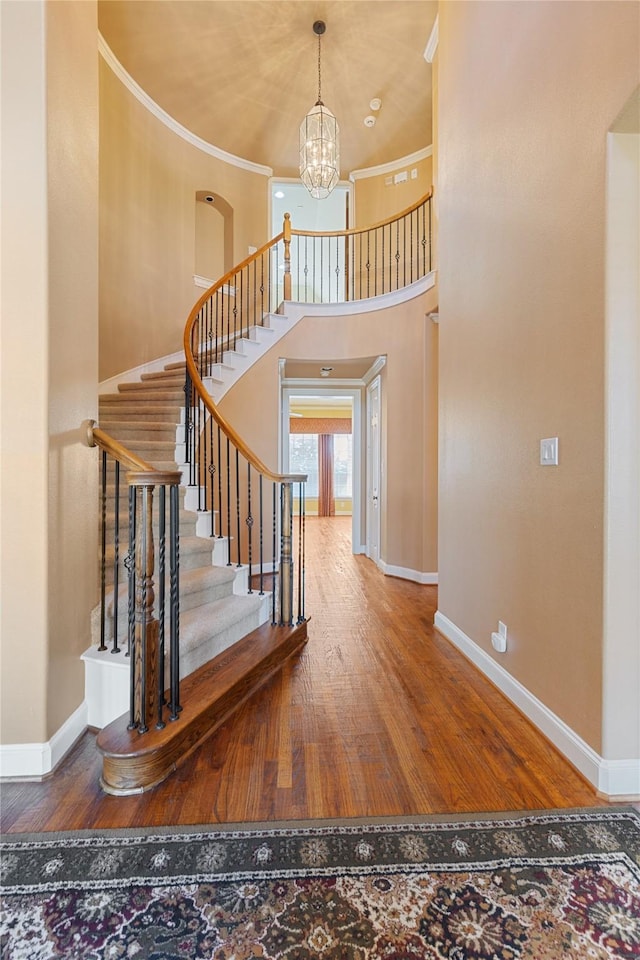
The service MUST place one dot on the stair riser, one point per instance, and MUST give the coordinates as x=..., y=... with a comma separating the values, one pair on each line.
x=122, y=412
x=126, y=433
x=188, y=602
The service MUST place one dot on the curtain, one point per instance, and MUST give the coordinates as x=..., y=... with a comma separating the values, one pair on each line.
x=326, y=502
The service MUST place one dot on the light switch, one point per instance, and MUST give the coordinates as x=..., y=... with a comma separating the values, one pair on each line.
x=549, y=452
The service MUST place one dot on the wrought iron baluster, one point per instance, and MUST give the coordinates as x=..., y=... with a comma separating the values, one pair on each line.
x=161, y=599
x=249, y=524
x=321, y=269
x=103, y=552
x=238, y=564
x=174, y=594
x=300, y=617
x=116, y=558
x=368, y=263
x=261, y=318
x=212, y=477
x=274, y=561
x=142, y=612
x=197, y=449
x=217, y=338
x=353, y=266
x=397, y=254
x=261, y=531
x=404, y=251
x=229, y=561
x=429, y=206
x=375, y=257
x=219, y=524
x=306, y=264
x=411, y=243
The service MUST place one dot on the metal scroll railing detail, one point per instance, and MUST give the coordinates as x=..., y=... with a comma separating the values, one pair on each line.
x=341, y=266
x=130, y=555
x=244, y=502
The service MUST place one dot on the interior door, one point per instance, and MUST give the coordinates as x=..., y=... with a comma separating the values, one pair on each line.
x=373, y=470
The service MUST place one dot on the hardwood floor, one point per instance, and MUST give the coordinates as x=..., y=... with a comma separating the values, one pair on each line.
x=379, y=715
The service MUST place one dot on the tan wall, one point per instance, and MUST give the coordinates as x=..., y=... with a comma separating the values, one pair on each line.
x=408, y=532
x=149, y=177
x=527, y=92
x=375, y=200
x=49, y=361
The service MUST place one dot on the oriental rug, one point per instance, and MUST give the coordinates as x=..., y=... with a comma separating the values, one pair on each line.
x=547, y=885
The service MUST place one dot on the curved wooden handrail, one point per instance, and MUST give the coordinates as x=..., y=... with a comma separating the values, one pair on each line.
x=228, y=277
x=95, y=437
x=353, y=231
x=206, y=399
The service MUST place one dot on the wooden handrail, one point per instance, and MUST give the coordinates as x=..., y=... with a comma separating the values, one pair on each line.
x=229, y=276
x=95, y=437
x=203, y=394
x=353, y=231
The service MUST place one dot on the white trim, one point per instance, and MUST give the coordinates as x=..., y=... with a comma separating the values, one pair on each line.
x=295, y=310
x=205, y=283
x=374, y=369
x=392, y=164
x=432, y=43
x=135, y=373
x=405, y=573
x=615, y=779
x=112, y=61
x=37, y=759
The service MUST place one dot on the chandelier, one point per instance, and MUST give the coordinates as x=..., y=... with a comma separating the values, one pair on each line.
x=319, y=144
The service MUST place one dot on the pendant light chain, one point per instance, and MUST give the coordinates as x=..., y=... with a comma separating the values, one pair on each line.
x=319, y=73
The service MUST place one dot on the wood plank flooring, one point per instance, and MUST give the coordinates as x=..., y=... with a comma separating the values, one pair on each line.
x=379, y=715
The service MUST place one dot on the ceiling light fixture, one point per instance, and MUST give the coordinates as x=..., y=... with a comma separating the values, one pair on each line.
x=319, y=143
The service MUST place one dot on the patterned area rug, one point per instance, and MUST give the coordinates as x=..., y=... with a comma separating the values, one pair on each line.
x=541, y=886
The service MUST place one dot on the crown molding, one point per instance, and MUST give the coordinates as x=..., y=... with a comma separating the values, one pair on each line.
x=432, y=43
x=392, y=165
x=114, y=64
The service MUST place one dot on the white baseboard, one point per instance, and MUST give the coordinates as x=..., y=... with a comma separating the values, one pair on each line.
x=616, y=779
x=37, y=759
x=405, y=573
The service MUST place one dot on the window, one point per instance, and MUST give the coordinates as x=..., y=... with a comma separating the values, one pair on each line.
x=303, y=458
x=342, y=478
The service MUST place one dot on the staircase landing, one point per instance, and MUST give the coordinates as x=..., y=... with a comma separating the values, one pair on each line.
x=134, y=763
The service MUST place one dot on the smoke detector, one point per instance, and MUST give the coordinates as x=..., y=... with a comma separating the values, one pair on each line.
x=370, y=121
x=325, y=371
x=375, y=104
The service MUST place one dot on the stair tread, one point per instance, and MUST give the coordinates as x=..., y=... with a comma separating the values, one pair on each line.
x=134, y=762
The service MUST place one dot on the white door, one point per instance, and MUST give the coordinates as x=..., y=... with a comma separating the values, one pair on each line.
x=373, y=470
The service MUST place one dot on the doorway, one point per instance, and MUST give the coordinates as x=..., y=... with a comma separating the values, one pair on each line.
x=334, y=467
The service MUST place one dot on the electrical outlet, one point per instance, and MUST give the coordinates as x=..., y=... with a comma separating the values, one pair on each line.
x=499, y=639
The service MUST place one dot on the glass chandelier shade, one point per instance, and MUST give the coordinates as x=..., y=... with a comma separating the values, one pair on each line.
x=319, y=151
x=319, y=141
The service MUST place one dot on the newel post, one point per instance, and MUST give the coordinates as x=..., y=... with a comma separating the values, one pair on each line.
x=286, y=554
x=145, y=669
x=144, y=655
x=286, y=229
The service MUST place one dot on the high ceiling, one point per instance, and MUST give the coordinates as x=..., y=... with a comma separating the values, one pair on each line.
x=242, y=74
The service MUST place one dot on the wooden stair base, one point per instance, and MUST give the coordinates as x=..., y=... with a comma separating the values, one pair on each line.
x=133, y=762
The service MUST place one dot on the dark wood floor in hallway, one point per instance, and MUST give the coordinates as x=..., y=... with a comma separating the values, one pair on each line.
x=379, y=715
